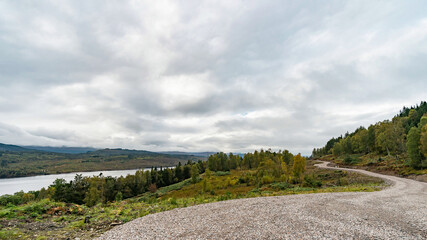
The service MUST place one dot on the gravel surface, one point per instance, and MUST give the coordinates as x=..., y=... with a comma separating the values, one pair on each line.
x=397, y=212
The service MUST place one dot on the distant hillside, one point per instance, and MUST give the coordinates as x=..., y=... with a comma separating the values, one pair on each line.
x=14, y=148
x=17, y=161
x=71, y=150
x=197, y=154
x=120, y=151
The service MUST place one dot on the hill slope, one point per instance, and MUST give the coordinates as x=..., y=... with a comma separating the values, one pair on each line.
x=13, y=148
x=72, y=150
x=397, y=146
x=17, y=161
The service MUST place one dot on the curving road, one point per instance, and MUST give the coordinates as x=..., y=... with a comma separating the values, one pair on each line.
x=397, y=212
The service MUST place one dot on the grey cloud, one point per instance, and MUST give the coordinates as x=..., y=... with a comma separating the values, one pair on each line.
x=91, y=73
x=63, y=135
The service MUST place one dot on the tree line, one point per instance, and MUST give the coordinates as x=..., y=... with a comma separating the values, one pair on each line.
x=405, y=134
x=101, y=189
x=270, y=166
x=264, y=167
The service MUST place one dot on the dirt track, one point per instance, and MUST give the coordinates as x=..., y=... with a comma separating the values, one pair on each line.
x=397, y=212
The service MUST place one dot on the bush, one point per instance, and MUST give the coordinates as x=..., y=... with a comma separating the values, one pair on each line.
x=15, y=199
x=243, y=179
x=325, y=176
x=246, y=178
x=7, y=213
x=152, y=188
x=347, y=160
x=341, y=182
x=311, y=182
x=227, y=196
x=372, y=162
x=119, y=197
x=281, y=185
x=37, y=208
x=173, y=201
x=267, y=179
x=350, y=160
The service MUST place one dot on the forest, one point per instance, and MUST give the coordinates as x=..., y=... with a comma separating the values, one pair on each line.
x=403, y=138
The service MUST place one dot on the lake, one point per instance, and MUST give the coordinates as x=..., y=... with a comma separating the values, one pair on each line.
x=13, y=185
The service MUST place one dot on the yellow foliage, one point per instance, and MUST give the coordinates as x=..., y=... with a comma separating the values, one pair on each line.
x=266, y=179
x=299, y=166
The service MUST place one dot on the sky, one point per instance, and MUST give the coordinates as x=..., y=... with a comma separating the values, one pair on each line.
x=206, y=75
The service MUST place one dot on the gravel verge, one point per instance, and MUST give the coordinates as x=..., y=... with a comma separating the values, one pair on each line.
x=397, y=212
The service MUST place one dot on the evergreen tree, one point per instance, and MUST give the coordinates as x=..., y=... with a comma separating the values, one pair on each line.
x=178, y=172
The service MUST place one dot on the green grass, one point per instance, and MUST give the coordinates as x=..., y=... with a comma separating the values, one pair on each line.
x=12, y=234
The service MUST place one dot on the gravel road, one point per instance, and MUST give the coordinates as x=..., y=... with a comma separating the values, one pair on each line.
x=397, y=212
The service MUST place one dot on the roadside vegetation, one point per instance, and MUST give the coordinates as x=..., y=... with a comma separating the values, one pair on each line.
x=88, y=213
x=397, y=147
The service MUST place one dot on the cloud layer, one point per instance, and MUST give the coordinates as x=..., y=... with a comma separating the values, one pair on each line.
x=192, y=76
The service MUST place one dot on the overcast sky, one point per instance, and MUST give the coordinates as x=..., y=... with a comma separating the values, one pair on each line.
x=218, y=75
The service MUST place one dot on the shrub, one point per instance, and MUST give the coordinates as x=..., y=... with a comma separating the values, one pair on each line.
x=27, y=197
x=7, y=213
x=38, y=208
x=341, y=182
x=227, y=196
x=195, y=175
x=152, y=188
x=350, y=160
x=267, y=179
x=206, y=186
x=281, y=185
x=173, y=201
x=243, y=179
x=15, y=199
x=340, y=173
x=324, y=176
x=372, y=162
x=246, y=178
x=311, y=182
x=347, y=160
x=119, y=197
